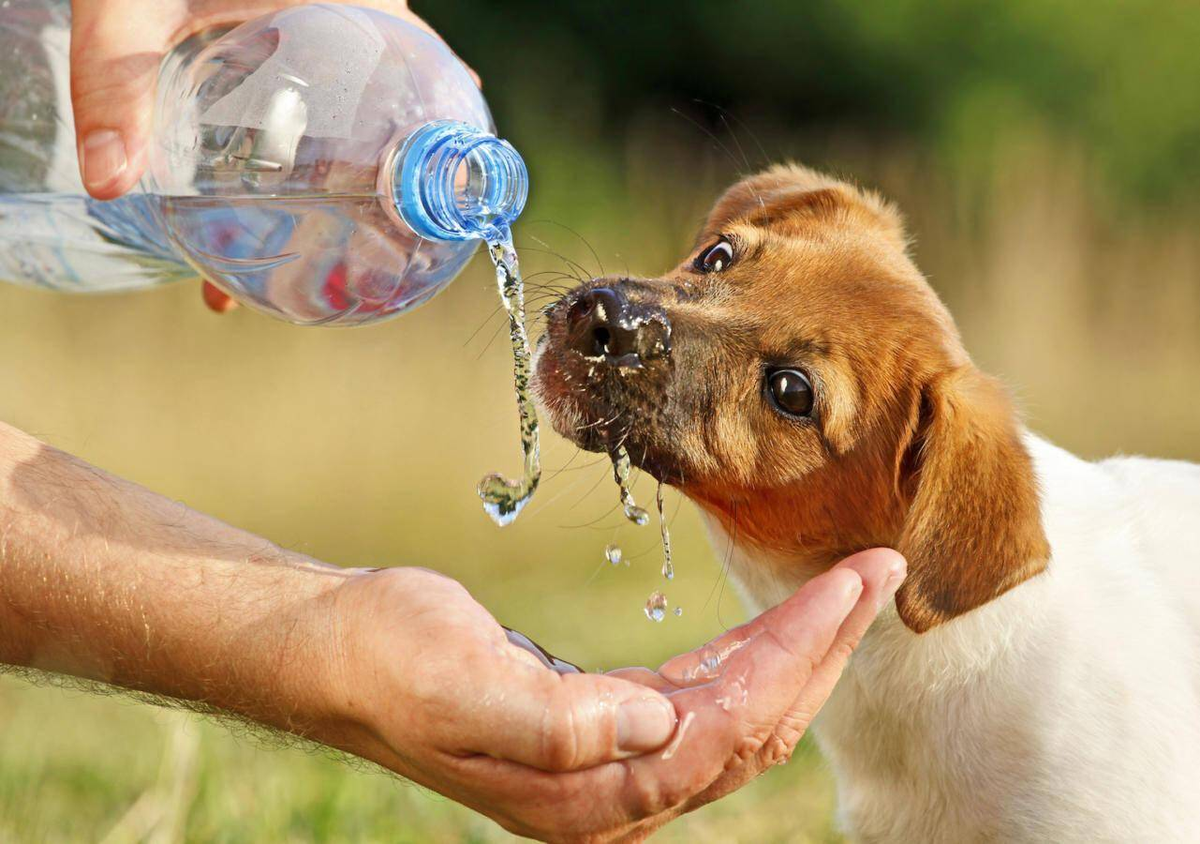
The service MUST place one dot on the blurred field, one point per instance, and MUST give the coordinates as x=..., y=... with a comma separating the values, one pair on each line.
x=1084, y=299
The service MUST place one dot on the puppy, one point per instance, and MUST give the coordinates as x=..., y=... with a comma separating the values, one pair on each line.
x=1038, y=678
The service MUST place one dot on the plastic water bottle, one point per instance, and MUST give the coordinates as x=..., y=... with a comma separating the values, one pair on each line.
x=322, y=164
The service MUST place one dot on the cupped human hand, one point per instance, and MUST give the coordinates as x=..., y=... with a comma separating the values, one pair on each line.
x=116, y=49
x=429, y=685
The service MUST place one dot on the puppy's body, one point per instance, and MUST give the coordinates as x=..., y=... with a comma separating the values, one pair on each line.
x=1038, y=678
x=1067, y=709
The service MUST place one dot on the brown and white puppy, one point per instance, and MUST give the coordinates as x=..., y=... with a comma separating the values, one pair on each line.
x=798, y=379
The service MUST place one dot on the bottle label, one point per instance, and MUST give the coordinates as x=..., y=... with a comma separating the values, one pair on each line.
x=74, y=243
x=31, y=245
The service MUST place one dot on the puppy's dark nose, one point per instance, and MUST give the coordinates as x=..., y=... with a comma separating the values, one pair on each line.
x=603, y=323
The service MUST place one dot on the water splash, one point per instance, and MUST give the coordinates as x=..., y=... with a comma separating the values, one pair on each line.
x=668, y=568
x=710, y=661
x=503, y=499
x=635, y=514
x=656, y=606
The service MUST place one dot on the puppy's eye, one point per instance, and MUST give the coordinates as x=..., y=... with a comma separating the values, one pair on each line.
x=715, y=258
x=791, y=392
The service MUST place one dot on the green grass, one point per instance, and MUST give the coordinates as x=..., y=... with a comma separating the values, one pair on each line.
x=78, y=767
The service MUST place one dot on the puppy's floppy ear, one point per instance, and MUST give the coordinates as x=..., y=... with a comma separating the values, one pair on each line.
x=788, y=196
x=974, y=527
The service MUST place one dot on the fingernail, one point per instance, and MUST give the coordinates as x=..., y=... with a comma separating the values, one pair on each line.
x=102, y=155
x=644, y=724
x=896, y=574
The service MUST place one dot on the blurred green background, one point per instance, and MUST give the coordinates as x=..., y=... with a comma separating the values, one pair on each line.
x=1046, y=155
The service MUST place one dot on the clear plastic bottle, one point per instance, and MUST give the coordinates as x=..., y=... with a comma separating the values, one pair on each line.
x=322, y=164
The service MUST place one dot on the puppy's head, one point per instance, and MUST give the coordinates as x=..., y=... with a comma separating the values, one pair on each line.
x=797, y=377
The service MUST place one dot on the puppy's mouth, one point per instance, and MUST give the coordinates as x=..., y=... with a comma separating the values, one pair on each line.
x=604, y=372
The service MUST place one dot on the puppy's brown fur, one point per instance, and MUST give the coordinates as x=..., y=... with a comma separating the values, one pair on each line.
x=909, y=445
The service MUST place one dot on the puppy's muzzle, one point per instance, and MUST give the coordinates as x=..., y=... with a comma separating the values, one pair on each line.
x=604, y=325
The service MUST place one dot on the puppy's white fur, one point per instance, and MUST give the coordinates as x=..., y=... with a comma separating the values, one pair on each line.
x=1066, y=710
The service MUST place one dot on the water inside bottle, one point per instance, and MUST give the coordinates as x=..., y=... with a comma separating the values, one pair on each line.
x=503, y=499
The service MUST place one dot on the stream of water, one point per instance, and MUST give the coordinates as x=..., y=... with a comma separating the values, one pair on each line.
x=503, y=499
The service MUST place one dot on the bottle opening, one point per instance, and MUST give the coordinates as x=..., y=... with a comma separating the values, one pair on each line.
x=452, y=181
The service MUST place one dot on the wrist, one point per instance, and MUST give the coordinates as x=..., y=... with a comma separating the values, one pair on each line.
x=371, y=670
x=280, y=647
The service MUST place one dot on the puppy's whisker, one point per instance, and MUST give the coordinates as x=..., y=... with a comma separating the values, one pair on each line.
x=603, y=476
x=594, y=522
x=495, y=334
x=482, y=325
x=565, y=466
x=580, y=467
x=726, y=116
x=557, y=274
x=723, y=572
x=571, y=265
x=585, y=241
x=570, y=262
x=737, y=165
x=600, y=423
x=578, y=479
x=574, y=265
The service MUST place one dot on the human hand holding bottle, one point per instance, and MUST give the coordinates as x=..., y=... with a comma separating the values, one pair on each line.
x=117, y=47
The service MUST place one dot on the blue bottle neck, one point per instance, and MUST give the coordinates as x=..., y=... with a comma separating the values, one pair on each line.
x=452, y=181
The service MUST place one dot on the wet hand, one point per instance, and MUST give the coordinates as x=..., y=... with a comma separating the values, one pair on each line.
x=425, y=682
x=116, y=49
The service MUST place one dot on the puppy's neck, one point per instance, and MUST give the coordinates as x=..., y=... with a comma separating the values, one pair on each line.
x=899, y=662
x=766, y=575
x=786, y=536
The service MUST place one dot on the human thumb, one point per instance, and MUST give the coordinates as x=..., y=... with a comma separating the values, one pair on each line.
x=116, y=49
x=566, y=722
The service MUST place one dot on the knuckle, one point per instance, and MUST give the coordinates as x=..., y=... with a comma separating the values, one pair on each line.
x=841, y=650
x=745, y=750
x=751, y=745
x=102, y=93
x=775, y=751
x=560, y=736
x=104, y=89
x=654, y=795
x=791, y=729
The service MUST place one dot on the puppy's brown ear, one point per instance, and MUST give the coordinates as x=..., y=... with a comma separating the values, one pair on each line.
x=974, y=527
x=791, y=197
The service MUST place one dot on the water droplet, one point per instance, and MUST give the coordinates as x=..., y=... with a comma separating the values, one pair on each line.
x=656, y=606
x=678, y=611
x=635, y=514
x=503, y=499
x=613, y=554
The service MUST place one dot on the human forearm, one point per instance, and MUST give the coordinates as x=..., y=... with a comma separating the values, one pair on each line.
x=102, y=579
